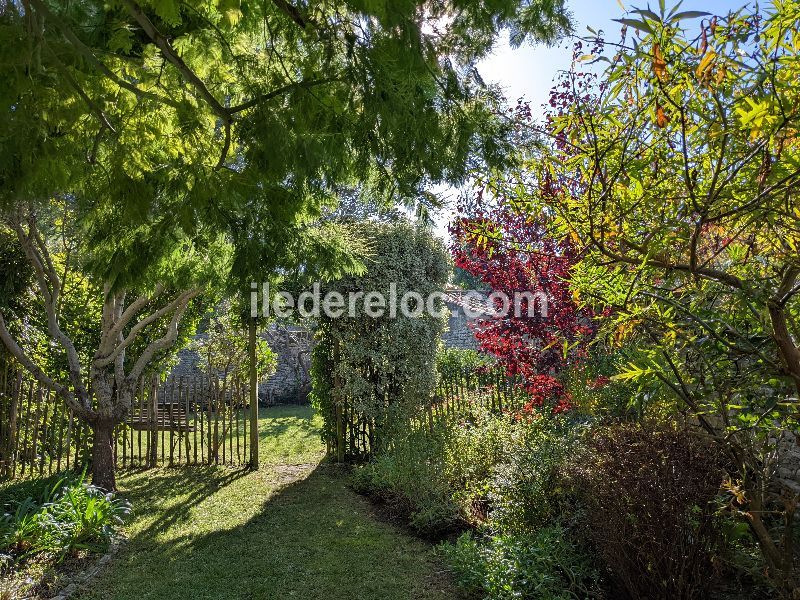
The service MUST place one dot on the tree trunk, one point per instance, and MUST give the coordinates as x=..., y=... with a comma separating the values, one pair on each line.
x=103, y=456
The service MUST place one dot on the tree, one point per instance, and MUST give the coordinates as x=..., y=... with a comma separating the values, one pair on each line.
x=223, y=348
x=201, y=142
x=675, y=170
x=543, y=328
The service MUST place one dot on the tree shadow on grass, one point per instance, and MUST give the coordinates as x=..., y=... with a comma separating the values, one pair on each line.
x=148, y=489
x=282, y=425
x=312, y=539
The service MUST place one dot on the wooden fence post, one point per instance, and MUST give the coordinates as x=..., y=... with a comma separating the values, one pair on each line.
x=337, y=401
x=13, y=412
x=251, y=348
x=153, y=422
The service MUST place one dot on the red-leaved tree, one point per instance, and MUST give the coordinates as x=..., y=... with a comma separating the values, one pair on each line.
x=544, y=328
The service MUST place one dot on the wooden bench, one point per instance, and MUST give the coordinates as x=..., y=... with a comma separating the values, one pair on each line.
x=169, y=417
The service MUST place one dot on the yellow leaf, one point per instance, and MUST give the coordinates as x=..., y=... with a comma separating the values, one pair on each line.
x=659, y=64
x=705, y=64
x=662, y=119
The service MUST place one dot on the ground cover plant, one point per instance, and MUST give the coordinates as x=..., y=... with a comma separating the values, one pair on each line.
x=46, y=522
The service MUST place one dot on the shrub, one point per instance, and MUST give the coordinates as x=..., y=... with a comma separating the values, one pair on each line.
x=381, y=367
x=69, y=515
x=544, y=565
x=410, y=479
x=649, y=494
x=485, y=469
x=509, y=467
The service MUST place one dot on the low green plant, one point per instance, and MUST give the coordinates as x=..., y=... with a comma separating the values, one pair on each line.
x=69, y=515
x=546, y=565
x=490, y=470
x=410, y=479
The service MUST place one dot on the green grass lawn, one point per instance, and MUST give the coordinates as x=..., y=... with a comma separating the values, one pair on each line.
x=292, y=530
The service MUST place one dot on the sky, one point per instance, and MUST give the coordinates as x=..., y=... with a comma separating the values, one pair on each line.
x=528, y=72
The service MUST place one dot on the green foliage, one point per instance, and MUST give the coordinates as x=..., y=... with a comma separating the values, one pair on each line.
x=223, y=348
x=68, y=515
x=485, y=470
x=597, y=390
x=546, y=564
x=383, y=365
x=16, y=274
x=172, y=122
x=673, y=166
x=466, y=280
x=452, y=361
x=411, y=481
x=704, y=284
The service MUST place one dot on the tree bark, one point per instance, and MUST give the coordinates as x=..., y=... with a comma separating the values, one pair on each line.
x=103, y=475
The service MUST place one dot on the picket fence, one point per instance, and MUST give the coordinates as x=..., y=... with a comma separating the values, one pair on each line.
x=177, y=421
x=458, y=393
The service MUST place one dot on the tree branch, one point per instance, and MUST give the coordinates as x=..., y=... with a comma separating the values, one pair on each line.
x=22, y=357
x=84, y=50
x=50, y=287
x=166, y=341
x=182, y=300
x=162, y=43
x=278, y=91
x=292, y=12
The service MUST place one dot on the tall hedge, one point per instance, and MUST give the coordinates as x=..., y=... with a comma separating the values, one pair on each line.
x=381, y=368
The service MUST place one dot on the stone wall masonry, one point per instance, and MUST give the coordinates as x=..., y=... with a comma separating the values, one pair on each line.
x=458, y=334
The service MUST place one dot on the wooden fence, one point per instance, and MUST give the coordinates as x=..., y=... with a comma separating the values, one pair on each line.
x=457, y=394
x=490, y=389
x=180, y=421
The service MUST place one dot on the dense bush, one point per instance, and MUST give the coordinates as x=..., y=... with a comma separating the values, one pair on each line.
x=546, y=565
x=381, y=366
x=508, y=466
x=650, y=498
x=67, y=515
x=490, y=470
x=410, y=479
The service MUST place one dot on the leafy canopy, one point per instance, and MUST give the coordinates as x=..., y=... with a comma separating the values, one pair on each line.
x=173, y=123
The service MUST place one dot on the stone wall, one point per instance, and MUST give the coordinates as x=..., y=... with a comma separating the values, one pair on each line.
x=291, y=382
x=458, y=334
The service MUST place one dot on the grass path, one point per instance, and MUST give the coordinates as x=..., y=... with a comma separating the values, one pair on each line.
x=292, y=530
